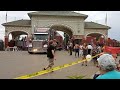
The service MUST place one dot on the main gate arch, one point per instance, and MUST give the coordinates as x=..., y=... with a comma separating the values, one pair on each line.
x=96, y=35
x=16, y=34
x=70, y=22
x=62, y=28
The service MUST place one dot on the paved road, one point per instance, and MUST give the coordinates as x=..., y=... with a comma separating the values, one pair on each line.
x=14, y=64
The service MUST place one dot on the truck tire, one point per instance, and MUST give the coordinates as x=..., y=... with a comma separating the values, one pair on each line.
x=30, y=52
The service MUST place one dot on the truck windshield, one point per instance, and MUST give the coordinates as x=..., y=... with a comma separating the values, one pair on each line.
x=40, y=36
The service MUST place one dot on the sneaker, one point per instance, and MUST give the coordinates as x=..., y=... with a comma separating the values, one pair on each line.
x=44, y=68
x=51, y=71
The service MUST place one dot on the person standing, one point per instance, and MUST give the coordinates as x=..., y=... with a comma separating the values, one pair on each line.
x=68, y=44
x=81, y=51
x=71, y=48
x=85, y=52
x=94, y=53
x=76, y=48
x=90, y=49
x=50, y=55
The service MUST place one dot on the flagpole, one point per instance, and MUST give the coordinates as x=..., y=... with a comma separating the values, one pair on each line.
x=106, y=19
x=6, y=16
x=106, y=25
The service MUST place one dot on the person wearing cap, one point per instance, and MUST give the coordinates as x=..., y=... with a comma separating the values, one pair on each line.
x=107, y=66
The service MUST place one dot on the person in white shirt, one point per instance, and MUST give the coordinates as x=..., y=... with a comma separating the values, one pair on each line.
x=89, y=49
x=71, y=48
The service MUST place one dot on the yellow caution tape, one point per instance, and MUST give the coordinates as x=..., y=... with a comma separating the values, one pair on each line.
x=53, y=69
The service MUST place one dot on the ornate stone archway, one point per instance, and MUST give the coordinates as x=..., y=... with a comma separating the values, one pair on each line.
x=67, y=21
x=99, y=32
x=16, y=34
x=63, y=28
x=97, y=35
x=18, y=30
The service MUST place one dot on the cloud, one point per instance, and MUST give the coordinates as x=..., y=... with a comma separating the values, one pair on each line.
x=95, y=16
x=113, y=19
x=11, y=16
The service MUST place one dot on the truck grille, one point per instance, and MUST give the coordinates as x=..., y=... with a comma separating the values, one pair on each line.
x=37, y=44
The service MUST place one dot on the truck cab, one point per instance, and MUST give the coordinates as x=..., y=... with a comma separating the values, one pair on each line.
x=38, y=43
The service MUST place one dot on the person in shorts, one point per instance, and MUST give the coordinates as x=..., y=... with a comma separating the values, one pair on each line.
x=50, y=55
x=76, y=48
x=85, y=53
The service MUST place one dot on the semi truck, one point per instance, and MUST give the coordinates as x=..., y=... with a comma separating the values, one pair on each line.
x=39, y=41
x=40, y=38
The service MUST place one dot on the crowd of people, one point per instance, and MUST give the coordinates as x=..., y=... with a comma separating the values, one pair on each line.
x=84, y=50
x=108, y=64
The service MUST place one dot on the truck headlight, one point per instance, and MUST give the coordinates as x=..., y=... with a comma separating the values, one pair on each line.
x=45, y=46
x=34, y=50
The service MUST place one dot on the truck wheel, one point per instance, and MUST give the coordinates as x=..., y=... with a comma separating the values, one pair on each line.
x=45, y=52
x=30, y=52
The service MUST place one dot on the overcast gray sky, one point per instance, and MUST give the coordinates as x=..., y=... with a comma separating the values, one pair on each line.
x=113, y=19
